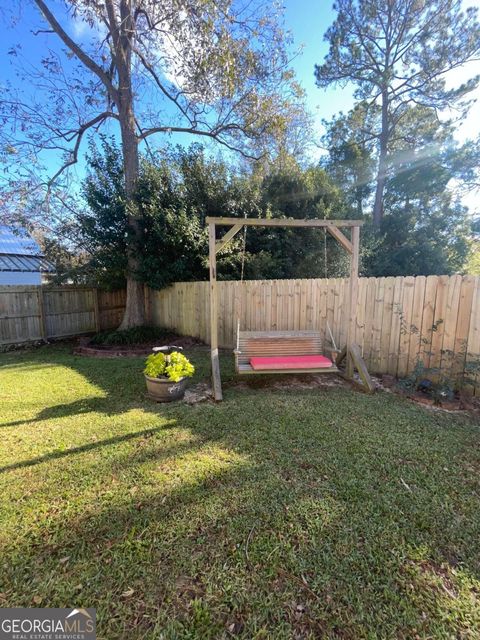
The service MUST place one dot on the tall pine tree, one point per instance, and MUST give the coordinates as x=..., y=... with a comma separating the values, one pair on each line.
x=397, y=53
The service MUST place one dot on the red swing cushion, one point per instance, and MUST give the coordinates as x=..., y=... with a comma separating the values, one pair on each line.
x=290, y=362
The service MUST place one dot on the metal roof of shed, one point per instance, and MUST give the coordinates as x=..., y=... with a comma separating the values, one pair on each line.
x=20, y=252
x=17, y=242
x=13, y=262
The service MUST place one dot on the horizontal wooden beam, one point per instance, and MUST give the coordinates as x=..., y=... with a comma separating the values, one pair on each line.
x=231, y=233
x=283, y=222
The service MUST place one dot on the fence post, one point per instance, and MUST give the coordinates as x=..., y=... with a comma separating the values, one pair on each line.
x=147, y=303
x=41, y=309
x=96, y=310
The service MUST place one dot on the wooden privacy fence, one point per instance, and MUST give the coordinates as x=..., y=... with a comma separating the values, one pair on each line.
x=398, y=320
x=40, y=313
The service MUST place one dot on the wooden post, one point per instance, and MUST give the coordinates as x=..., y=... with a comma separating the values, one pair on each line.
x=41, y=313
x=96, y=310
x=216, y=380
x=354, y=260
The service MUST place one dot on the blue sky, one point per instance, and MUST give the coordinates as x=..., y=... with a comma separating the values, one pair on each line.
x=306, y=19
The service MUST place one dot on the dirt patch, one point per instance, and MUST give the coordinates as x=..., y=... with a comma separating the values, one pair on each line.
x=290, y=382
x=470, y=405
x=200, y=392
x=461, y=403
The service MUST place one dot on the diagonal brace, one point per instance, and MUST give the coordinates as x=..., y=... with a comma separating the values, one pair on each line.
x=341, y=237
x=231, y=233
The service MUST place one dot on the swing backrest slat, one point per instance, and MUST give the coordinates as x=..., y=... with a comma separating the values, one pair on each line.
x=277, y=343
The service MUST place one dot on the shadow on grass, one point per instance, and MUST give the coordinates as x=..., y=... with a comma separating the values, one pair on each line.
x=305, y=514
x=120, y=380
x=91, y=446
x=76, y=408
x=273, y=541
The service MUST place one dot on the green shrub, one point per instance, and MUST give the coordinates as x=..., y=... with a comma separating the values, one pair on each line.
x=174, y=366
x=135, y=335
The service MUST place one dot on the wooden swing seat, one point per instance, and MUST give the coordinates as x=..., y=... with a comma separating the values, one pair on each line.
x=281, y=352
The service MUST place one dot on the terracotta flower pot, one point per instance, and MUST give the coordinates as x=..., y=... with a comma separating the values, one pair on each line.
x=164, y=390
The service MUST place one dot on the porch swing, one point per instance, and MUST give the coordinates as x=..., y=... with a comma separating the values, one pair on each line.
x=282, y=352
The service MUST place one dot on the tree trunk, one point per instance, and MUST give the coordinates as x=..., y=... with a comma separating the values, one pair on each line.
x=380, y=187
x=382, y=164
x=134, y=315
x=359, y=202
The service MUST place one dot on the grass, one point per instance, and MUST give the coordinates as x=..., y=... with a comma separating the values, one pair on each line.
x=278, y=515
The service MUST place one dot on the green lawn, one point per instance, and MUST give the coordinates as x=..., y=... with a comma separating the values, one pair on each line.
x=279, y=514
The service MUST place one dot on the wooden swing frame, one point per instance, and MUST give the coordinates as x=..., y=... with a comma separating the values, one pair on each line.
x=351, y=351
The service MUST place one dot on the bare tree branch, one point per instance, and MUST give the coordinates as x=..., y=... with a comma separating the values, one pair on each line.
x=76, y=49
x=79, y=136
x=214, y=135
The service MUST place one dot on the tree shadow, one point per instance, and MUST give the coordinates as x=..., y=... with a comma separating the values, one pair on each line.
x=120, y=381
x=309, y=552
x=308, y=514
x=91, y=446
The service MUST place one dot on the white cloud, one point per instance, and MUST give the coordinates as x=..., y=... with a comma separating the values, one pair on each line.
x=79, y=28
x=469, y=127
x=82, y=31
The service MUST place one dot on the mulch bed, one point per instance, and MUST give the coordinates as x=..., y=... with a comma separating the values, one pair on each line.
x=85, y=348
x=463, y=402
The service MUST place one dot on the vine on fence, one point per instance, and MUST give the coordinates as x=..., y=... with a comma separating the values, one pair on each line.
x=460, y=369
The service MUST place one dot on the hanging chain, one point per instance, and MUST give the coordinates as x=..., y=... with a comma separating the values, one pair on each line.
x=325, y=249
x=244, y=251
x=241, y=275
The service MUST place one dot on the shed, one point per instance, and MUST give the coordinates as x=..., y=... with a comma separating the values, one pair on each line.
x=21, y=259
